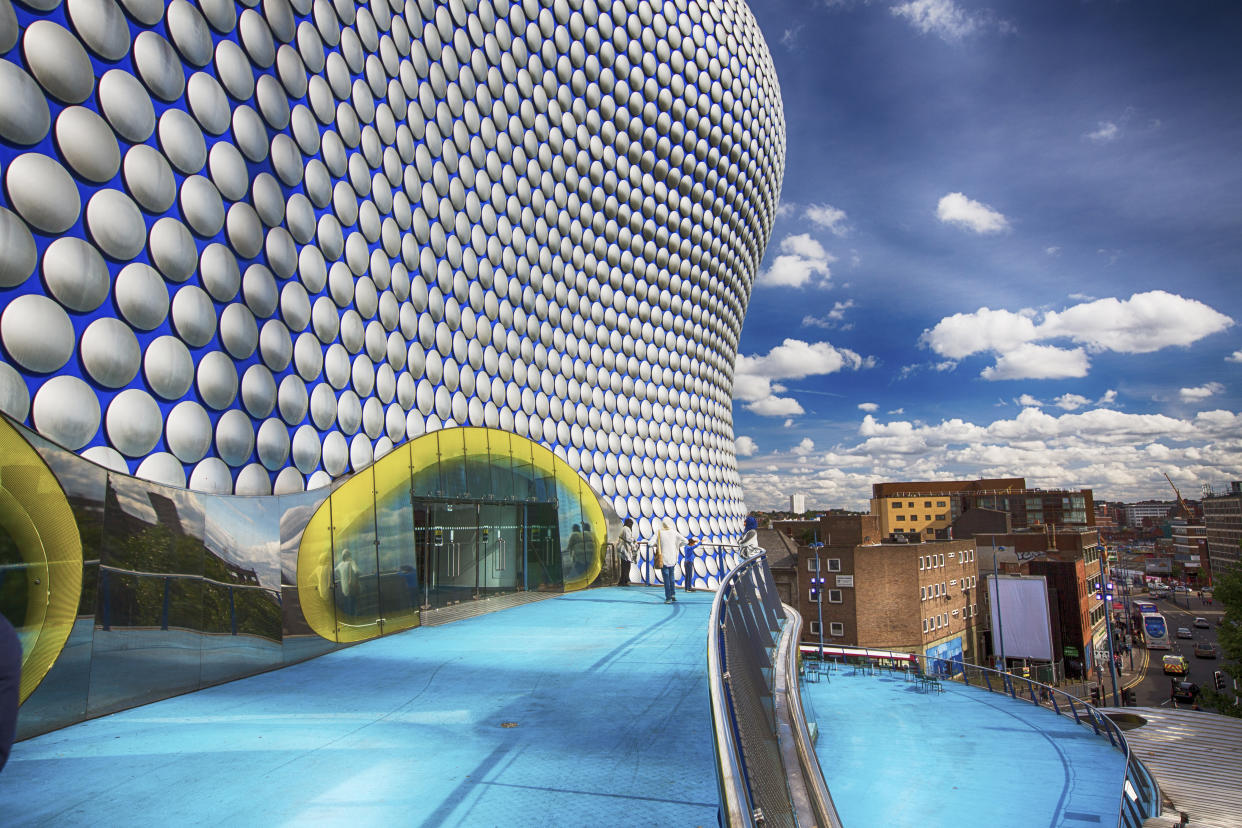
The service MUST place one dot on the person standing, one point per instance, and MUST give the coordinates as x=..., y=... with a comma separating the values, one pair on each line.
x=625, y=546
x=667, y=544
x=687, y=564
x=347, y=583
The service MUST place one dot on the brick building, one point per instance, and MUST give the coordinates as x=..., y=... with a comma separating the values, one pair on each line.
x=912, y=597
x=1069, y=558
x=931, y=507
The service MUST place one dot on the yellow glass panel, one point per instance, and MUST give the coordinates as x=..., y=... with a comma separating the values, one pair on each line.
x=36, y=514
x=353, y=539
x=315, y=573
x=392, y=498
x=351, y=506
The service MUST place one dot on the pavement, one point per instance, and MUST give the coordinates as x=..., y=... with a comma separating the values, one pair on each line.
x=584, y=709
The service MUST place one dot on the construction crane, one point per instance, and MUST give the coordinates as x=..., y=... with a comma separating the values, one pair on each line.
x=1186, y=513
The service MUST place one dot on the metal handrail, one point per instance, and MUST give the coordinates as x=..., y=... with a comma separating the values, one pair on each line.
x=759, y=626
x=1140, y=794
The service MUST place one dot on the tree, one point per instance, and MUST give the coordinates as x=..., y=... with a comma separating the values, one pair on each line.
x=1228, y=593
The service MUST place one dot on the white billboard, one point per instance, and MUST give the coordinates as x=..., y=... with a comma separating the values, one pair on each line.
x=1020, y=617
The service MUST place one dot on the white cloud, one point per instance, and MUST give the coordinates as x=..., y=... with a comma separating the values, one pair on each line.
x=1201, y=392
x=829, y=217
x=804, y=448
x=1143, y=323
x=1029, y=361
x=802, y=261
x=1110, y=397
x=775, y=407
x=963, y=334
x=1104, y=132
x=754, y=376
x=942, y=18
x=1027, y=401
x=1236, y=356
x=1071, y=402
x=956, y=208
x=1052, y=250
x=1109, y=451
x=831, y=318
x=869, y=407
x=746, y=447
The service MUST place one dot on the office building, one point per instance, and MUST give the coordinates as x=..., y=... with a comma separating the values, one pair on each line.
x=1222, y=520
x=931, y=507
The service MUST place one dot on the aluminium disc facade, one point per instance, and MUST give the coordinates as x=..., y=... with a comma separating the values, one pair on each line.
x=249, y=247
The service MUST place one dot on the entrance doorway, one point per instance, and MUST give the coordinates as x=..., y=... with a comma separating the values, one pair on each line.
x=470, y=550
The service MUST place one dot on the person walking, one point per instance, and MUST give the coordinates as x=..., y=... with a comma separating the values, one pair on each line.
x=625, y=546
x=347, y=583
x=687, y=563
x=667, y=543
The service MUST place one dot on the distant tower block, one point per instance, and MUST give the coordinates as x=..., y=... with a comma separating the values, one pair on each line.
x=797, y=504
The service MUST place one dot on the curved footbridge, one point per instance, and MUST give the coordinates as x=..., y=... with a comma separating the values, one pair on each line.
x=585, y=709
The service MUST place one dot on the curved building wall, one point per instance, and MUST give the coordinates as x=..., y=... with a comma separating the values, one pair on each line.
x=250, y=248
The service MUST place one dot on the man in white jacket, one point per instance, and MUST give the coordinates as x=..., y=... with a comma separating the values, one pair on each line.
x=667, y=544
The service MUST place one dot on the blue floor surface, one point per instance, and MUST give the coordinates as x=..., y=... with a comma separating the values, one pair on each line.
x=585, y=709
x=965, y=758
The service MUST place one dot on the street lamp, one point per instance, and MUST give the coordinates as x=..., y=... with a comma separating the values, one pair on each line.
x=819, y=595
x=1104, y=591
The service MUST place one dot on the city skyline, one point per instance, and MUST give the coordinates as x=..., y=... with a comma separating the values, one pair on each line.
x=1004, y=247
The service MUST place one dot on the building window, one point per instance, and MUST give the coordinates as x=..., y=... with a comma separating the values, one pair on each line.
x=922, y=593
x=834, y=596
x=940, y=504
x=897, y=505
x=836, y=628
x=924, y=626
x=922, y=562
x=911, y=504
x=812, y=565
x=942, y=559
x=901, y=518
x=815, y=628
x=834, y=564
x=926, y=517
x=813, y=596
x=944, y=516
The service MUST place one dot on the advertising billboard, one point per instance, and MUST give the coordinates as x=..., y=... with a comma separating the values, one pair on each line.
x=1020, y=617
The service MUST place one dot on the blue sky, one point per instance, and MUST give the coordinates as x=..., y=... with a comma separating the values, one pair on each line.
x=1009, y=243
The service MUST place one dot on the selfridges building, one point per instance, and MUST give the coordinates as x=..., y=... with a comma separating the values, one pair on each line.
x=339, y=312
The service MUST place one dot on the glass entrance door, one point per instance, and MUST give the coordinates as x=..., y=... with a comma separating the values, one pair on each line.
x=469, y=550
x=452, y=554
x=502, y=567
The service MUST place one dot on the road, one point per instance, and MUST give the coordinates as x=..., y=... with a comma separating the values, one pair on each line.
x=1152, y=690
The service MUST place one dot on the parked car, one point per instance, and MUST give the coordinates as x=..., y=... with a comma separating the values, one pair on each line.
x=1185, y=691
x=1175, y=665
x=1204, y=649
x=1202, y=623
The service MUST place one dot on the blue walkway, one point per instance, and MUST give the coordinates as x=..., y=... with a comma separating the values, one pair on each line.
x=964, y=758
x=587, y=709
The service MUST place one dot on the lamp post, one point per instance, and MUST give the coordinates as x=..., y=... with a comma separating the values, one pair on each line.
x=819, y=595
x=995, y=598
x=1104, y=591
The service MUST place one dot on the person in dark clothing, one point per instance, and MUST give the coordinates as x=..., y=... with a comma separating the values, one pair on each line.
x=10, y=686
x=692, y=546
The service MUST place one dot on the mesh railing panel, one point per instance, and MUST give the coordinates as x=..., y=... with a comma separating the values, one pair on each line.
x=752, y=710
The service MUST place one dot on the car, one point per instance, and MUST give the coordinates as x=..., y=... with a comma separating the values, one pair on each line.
x=1204, y=649
x=1202, y=623
x=1175, y=665
x=1184, y=632
x=1185, y=691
